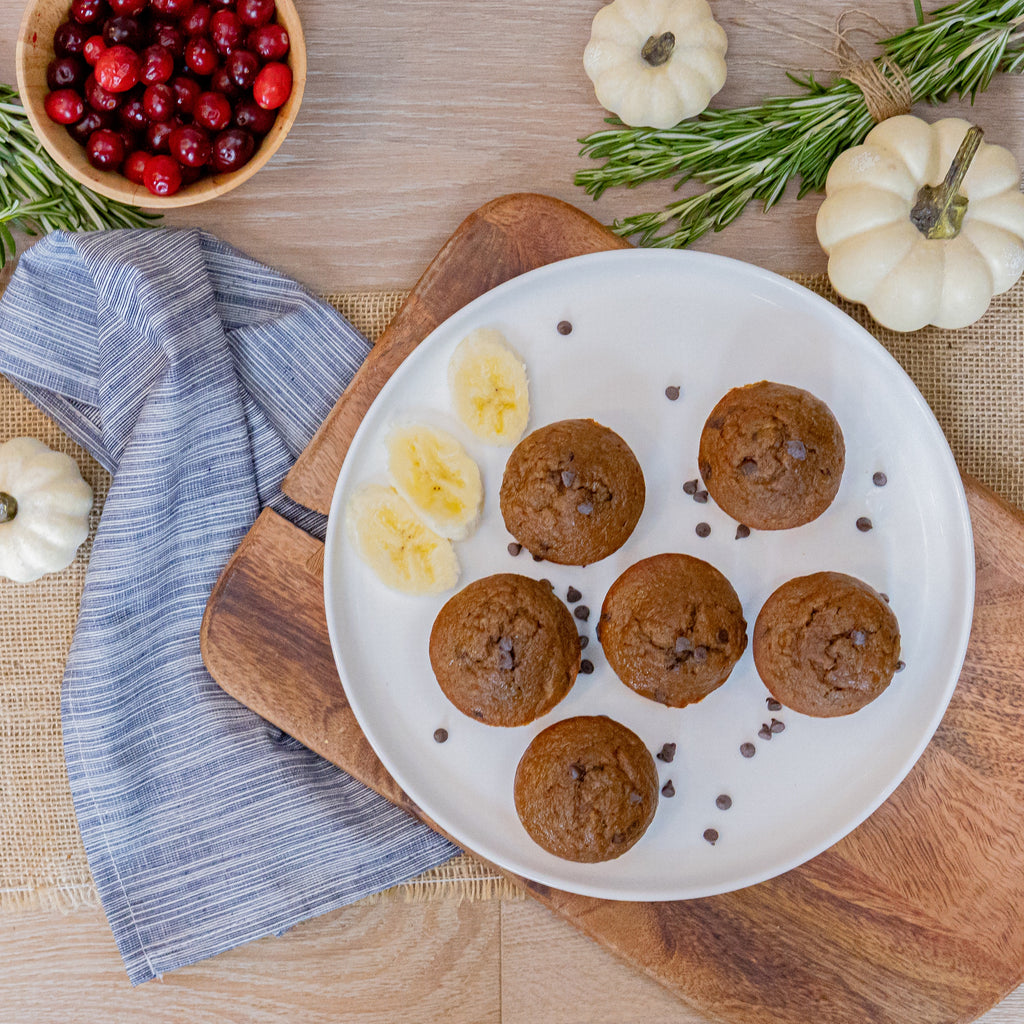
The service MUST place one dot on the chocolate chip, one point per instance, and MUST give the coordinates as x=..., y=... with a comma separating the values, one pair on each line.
x=564, y=327
x=584, y=640
x=635, y=797
x=538, y=558
x=577, y=771
x=864, y=524
x=700, y=654
x=584, y=508
x=572, y=595
x=748, y=467
x=582, y=612
x=884, y=597
x=742, y=532
x=586, y=667
x=440, y=735
x=765, y=732
x=619, y=837
x=773, y=704
x=711, y=835
x=701, y=497
x=747, y=749
x=778, y=726
x=703, y=530
x=506, y=661
x=900, y=666
x=505, y=643
x=683, y=644
x=858, y=637
x=545, y=580
x=668, y=789
x=879, y=479
x=667, y=753
x=723, y=802
x=797, y=449
x=514, y=548
x=723, y=636
x=568, y=478
x=672, y=393
x=690, y=487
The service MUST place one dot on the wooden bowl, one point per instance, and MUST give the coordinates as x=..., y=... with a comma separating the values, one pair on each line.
x=34, y=53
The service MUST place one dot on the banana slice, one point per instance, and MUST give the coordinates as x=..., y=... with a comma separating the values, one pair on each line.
x=489, y=389
x=396, y=545
x=437, y=476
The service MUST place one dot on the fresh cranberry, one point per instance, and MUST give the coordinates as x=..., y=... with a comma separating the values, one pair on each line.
x=98, y=98
x=273, y=86
x=221, y=4
x=172, y=8
x=134, y=167
x=66, y=73
x=118, y=68
x=201, y=55
x=232, y=149
x=132, y=114
x=220, y=81
x=162, y=175
x=130, y=7
x=168, y=35
x=157, y=65
x=190, y=146
x=271, y=42
x=122, y=30
x=89, y=122
x=197, y=22
x=105, y=149
x=255, y=12
x=88, y=12
x=242, y=67
x=253, y=118
x=158, y=135
x=94, y=46
x=226, y=31
x=186, y=92
x=158, y=102
x=65, y=106
x=190, y=174
x=212, y=110
x=69, y=39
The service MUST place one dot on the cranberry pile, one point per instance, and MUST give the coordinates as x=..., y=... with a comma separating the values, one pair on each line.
x=165, y=91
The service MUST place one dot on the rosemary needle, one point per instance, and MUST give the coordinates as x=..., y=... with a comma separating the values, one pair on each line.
x=38, y=196
x=751, y=153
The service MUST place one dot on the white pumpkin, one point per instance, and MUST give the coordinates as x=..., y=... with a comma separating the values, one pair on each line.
x=655, y=62
x=44, y=509
x=912, y=274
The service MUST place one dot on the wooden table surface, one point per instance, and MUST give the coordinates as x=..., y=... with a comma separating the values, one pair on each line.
x=417, y=112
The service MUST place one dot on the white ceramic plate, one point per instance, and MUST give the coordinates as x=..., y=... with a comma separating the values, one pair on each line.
x=643, y=320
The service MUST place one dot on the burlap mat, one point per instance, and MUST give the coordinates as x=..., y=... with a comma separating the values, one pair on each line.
x=973, y=379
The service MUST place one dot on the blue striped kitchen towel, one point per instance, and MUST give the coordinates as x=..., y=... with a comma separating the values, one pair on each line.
x=195, y=376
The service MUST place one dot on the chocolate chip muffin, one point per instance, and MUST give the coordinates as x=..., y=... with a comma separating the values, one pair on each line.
x=672, y=628
x=572, y=492
x=505, y=650
x=586, y=789
x=772, y=455
x=826, y=644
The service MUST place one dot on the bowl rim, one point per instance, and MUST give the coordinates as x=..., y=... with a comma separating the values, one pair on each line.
x=112, y=184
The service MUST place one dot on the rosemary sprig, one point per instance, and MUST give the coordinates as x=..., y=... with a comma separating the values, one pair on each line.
x=752, y=153
x=38, y=196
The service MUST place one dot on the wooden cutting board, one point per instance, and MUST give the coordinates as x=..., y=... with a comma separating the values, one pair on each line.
x=917, y=917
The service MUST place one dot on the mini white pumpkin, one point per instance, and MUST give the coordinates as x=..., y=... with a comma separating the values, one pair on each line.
x=655, y=62
x=919, y=229
x=44, y=509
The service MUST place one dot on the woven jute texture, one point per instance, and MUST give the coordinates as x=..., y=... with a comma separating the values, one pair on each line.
x=973, y=379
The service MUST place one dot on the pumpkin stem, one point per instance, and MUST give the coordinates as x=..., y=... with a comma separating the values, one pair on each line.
x=657, y=50
x=8, y=507
x=939, y=209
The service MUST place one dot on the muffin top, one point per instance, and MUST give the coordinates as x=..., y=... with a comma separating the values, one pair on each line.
x=672, y=628
x=826, y=644
x=504, y=649
x=586, y=789
x=772, y=455
x=572, y=492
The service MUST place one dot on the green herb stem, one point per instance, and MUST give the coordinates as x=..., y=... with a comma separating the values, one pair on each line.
x=752, y=153
x=38, y=196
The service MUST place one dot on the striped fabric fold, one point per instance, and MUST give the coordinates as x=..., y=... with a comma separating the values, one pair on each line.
x=195, y=376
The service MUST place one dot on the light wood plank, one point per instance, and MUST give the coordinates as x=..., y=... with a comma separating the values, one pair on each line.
x=368, y=963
